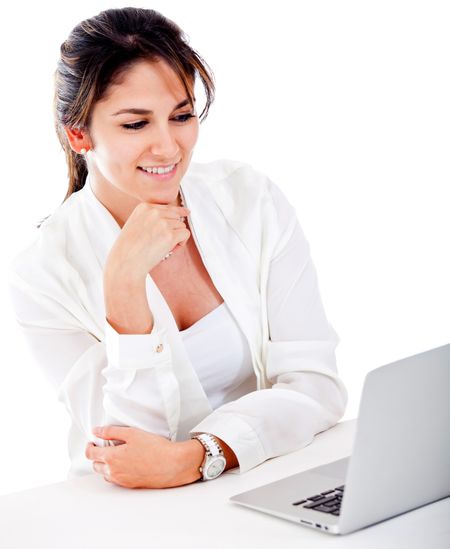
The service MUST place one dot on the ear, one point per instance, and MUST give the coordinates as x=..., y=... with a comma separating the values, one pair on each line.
x=78, y=139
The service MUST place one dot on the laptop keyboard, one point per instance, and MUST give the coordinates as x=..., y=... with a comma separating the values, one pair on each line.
x=326, y=502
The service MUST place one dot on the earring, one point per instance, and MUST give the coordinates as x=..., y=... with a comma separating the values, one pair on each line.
x=83, y=151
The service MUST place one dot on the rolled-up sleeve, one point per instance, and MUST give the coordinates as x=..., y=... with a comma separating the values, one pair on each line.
x=307, y=395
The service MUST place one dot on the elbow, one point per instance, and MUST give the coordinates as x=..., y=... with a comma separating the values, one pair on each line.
x=336, y=404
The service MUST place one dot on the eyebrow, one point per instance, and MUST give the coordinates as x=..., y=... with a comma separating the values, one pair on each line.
x=132, y=110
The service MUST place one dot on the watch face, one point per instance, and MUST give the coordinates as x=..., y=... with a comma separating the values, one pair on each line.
x=215, y=467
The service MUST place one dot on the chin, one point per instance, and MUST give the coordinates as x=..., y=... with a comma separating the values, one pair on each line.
x=160, y=197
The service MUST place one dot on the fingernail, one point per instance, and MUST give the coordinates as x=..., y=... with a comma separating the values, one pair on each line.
x=97, y=430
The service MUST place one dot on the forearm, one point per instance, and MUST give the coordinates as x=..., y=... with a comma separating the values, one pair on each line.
x=127, y=311
x=126, y=305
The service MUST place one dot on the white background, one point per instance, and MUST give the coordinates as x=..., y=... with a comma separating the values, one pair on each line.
x=344, y=104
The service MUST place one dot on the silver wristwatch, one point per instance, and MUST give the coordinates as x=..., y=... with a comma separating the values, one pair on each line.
x=214, y=463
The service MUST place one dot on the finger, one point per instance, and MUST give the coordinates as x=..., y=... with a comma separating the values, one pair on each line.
x=172, y=211
x=178, y=213
x=94, y=452
x=98, y=467
x=102, y=469
x=180, y=210
x=178, y=223
x=113, y=432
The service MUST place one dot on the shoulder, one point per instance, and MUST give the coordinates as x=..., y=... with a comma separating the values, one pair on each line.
x=46, y=251
x=231, y=181
x=226, y=171
x=255, y=207
x=63, y=214
x=237, y=182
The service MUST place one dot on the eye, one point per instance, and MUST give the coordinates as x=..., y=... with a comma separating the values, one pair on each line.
x=142, y=123
x=184, y=117
x=135, y=125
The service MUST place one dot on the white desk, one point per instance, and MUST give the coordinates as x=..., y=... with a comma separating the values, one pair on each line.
x=88, y=512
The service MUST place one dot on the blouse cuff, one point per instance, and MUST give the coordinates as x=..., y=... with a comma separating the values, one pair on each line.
x=136, y=351
x=238, y=435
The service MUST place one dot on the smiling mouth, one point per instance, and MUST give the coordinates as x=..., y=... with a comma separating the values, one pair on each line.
x=161, y=173
x=159, y=169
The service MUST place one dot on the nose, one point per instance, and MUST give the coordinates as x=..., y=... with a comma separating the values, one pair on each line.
x=163, y=143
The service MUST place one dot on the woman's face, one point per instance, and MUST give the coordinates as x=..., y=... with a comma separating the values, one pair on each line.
x=144, y=121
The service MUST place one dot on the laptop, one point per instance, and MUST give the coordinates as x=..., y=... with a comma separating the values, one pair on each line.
x=400, y=458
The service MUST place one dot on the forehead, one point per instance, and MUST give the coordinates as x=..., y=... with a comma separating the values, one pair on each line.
x=146, y=82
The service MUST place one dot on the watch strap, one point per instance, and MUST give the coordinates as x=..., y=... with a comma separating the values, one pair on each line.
x=212, y=451
x=209, y=443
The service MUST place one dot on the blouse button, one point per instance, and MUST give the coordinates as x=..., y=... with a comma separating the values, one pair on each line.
x=159, y=348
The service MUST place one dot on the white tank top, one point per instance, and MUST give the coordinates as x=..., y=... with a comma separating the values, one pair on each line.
x=221, y=356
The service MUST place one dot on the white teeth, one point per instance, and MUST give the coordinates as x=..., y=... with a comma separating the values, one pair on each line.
x=159, y=170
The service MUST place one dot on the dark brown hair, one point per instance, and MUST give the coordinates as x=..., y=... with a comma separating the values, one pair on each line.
x=95, y=55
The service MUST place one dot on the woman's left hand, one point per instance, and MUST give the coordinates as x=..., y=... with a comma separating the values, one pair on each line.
x=145, y=460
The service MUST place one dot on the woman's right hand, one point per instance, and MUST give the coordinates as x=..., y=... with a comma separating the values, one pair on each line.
x=149, y=234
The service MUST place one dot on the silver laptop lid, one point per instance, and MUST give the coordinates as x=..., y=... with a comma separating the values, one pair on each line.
x=401, y=453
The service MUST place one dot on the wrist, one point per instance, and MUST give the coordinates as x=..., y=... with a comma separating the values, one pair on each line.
x=123, y=275
x=126, y=304
x=230, y=456
x=191, y=455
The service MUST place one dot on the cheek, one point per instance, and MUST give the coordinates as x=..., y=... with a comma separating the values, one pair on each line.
x=115, y=155
x=116, y=147
x=190, y=136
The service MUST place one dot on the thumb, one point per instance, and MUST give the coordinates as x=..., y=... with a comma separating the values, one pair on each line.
x=112, y=432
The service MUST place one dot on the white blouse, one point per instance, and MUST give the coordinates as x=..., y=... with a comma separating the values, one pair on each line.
x=175, y=383
x=223, y=364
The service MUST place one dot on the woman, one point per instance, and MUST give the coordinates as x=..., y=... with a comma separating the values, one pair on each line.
x=171, y=303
